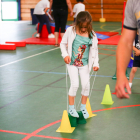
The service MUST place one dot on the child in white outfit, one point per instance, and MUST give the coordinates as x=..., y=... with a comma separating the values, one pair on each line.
x=78, y=8
x=80, y=56
x=40, y=12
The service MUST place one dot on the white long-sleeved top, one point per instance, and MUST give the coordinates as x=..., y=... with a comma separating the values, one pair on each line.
x=68, y=39
x=40, y=7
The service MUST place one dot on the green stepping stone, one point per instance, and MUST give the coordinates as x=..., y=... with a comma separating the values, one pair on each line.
x=73, y=121
x=81, y=119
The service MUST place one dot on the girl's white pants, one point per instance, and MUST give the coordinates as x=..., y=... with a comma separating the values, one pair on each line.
x=74, y=73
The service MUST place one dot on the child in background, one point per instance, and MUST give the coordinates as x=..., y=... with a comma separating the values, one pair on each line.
x=40, y=12
x=78, y=8
x=136, y=62
x=80, y=55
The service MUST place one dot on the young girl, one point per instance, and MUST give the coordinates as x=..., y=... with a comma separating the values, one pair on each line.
x=80, y=52
x=136, y=62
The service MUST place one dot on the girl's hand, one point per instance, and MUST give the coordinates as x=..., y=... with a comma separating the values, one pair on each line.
x=95, y=68
x=67, y=59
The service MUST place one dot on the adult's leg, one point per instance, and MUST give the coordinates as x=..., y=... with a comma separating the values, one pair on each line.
x=57, y=24
x=61, y=34
x=56, y=38
x=63, y=21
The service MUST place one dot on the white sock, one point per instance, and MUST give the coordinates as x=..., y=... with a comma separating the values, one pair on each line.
x=130, y=84
x=84, y=111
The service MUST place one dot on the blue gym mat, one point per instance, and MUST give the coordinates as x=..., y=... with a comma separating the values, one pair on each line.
x=101, y=36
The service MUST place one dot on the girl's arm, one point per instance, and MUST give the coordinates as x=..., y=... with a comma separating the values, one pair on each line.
x=64, y=47
x=96, y=59
x=63, y=44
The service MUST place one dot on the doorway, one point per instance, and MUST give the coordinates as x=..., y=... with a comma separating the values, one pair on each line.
x=9, y=10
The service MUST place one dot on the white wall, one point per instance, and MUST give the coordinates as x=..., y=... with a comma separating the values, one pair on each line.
x=0, y=10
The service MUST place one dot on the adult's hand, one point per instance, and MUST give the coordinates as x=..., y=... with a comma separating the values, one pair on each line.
x=121, y=84
x=71, y=14
x=67, y=59
x=50, y=12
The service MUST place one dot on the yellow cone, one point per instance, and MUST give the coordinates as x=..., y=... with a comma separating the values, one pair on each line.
x=65, y=126
x=89, y=110
x=107, y=98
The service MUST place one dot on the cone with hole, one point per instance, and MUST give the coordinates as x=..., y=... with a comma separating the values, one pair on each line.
x=89, y=110
x=65, y=126
x=107, y=98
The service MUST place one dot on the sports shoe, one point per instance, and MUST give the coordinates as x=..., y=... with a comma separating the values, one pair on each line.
x=51, y=36
x=37, y=35
x=130, y=84
x=73, y=113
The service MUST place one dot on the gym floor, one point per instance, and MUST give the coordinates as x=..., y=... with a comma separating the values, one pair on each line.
x=33, y=92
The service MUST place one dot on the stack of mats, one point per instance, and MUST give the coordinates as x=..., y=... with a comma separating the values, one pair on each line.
x=12, y=45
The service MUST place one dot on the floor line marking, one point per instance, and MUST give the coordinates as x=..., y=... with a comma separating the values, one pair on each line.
x=40, y=129
x=28, y=57
x=61, y=73
x=53, y=123
x=39, y=54
x=41, y=136
x=116, y=108
x=106, y=49
x=31, y=93
x=107, y=54
x=115, y=30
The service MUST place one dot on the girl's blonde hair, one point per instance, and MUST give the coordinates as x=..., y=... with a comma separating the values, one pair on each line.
x=84, y=17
